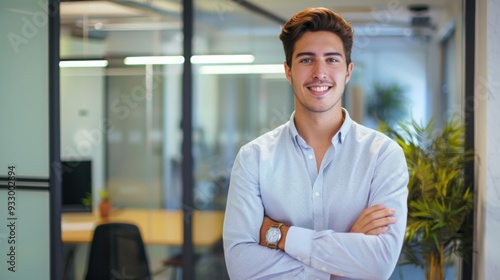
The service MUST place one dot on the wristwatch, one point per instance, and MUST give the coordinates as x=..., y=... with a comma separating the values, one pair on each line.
x=273, y=236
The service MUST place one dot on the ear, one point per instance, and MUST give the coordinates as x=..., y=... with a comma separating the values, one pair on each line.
x=350, y=67
x=288, y=72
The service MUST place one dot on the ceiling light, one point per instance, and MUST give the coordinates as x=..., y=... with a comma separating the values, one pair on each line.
x=132, y=26
x=243, y=69
x=222, y=59
x=83, y=63
x=146, y=60
x=195, y=59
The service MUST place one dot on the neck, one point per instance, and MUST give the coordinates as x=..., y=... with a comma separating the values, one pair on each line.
x=317, y=129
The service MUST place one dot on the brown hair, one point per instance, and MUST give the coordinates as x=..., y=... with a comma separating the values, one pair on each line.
x=315, y=19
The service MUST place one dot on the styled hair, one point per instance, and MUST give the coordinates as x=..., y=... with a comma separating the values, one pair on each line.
x=311, y=20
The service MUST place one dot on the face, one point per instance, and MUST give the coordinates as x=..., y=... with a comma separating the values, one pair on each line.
x=318, y=72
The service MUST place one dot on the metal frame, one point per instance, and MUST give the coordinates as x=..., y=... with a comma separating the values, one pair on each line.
x=56, y=257
x=469, y=14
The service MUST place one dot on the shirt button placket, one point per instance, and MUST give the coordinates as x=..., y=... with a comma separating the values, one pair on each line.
x=318, y=203
x=311, y=166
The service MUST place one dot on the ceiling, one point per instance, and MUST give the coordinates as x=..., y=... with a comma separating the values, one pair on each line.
x=354, y=10
x=393, y=17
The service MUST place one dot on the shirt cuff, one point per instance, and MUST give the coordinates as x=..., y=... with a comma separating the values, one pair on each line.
x=298, y=244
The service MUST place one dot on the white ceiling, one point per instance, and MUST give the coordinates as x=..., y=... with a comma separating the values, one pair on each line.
x=166, y=14
x=361, y=10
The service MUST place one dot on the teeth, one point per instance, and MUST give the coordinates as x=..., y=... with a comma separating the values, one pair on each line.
x=319, y=88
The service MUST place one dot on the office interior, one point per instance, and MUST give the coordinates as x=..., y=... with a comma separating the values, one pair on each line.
x=124, y=113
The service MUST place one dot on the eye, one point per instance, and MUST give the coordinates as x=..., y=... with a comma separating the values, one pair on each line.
x=306, y=60
x=332, y=59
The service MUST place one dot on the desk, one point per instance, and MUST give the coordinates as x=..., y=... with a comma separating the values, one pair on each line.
x=157, y=226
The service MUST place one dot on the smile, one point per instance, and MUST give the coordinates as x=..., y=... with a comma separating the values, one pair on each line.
x=319, y=89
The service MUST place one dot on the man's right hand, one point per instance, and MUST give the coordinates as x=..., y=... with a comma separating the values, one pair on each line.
x=374, y=220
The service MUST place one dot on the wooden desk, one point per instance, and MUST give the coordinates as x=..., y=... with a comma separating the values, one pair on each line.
x=157, y=226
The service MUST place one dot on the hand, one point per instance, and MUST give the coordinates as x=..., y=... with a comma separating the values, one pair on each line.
x=374, y=220
x=266, y=224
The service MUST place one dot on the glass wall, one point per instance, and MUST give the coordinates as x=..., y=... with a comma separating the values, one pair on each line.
x=236, y=98
x=123, y=114
x=234, y=101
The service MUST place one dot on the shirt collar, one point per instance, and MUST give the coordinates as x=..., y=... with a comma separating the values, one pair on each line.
x=344, y=129
x=340, y=135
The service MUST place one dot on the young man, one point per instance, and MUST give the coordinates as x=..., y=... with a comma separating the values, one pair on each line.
x=320, y=196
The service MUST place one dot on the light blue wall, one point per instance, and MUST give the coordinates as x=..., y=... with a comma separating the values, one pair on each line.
x=83, y=123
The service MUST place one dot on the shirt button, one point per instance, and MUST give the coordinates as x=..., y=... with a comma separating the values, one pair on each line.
x=311, y=157
x=299, y=258
x=316, y=193
x=323, y=268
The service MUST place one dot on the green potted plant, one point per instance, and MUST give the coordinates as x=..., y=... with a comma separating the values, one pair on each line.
x=438, y=199
x=388, y=103
x=104, y=204
x=87, y=200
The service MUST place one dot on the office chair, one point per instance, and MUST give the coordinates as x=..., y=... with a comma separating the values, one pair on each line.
x=210, y=265
x=117, y=252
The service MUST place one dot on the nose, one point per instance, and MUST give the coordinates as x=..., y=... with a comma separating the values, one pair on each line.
x=319, y=71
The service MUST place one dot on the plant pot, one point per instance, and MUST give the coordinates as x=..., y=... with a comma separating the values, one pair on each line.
x=105, y=208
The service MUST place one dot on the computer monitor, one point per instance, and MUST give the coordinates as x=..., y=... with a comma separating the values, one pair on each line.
x=76, y=185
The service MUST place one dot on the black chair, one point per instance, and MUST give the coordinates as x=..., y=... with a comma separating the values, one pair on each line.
x=210, y=265
x=117, y=252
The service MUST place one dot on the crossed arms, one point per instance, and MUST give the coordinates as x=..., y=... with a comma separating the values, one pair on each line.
x=373, y=220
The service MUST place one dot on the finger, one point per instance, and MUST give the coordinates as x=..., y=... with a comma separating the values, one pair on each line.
x=373, y=208
x=378, y=230
x=373, y=224
x=371, y=216
x=371, y=211
x=382, y=223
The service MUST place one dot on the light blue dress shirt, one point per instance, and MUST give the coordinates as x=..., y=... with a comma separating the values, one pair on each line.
x=276, y=175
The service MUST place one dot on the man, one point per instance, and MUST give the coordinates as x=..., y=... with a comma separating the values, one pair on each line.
x=320, y=196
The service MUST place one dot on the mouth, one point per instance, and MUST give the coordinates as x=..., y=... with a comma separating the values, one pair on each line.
x=319, y=90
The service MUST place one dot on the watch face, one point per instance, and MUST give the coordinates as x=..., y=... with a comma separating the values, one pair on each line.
x=273, y=235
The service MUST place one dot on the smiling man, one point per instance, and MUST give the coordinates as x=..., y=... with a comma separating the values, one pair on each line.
x=320, y=196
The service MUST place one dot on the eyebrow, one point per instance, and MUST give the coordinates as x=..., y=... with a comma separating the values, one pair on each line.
x=313, y=54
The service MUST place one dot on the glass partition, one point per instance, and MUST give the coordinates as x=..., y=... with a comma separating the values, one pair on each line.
x=120, y=109
x=237, y=96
